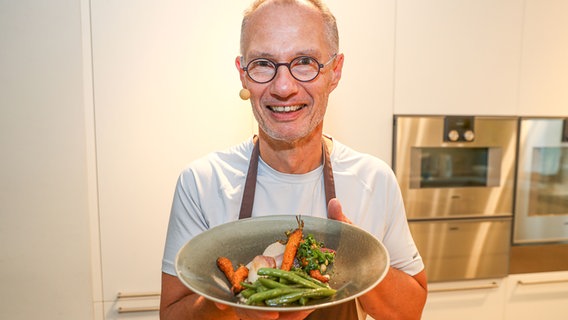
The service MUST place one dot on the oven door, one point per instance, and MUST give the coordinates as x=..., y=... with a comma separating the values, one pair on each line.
x=541, y=211
x=441, y=179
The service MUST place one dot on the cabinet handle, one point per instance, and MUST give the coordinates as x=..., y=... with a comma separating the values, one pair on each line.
x=530, y=283
x=492, y=285
x=122, y=295
x=138, y=309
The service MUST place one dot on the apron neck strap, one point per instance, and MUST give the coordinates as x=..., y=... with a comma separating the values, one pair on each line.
x=250, y=183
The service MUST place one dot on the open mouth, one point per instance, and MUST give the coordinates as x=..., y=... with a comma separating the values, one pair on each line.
x=284, y=109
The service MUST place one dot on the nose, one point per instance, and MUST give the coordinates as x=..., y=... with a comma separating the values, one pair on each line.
x=284, y=84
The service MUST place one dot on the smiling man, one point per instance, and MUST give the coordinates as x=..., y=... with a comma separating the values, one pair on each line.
x=289, y=65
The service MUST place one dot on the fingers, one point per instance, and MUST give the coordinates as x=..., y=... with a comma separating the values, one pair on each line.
x=247, y=314
x=335, y=212
x=294, y=315
x=221, y=306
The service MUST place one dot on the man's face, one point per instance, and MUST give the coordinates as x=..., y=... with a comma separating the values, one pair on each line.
x=285, y=108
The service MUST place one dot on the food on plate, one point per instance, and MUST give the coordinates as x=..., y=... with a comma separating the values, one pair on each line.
x=292, y=245
x=235, y=277
x=285, y=274
x=258, y=262
x=314, y=258
x=283, y=288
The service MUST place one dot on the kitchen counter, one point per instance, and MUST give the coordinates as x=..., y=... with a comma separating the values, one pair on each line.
x=538, y=258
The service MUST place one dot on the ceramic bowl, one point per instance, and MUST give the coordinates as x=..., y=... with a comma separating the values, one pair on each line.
x=361, y=259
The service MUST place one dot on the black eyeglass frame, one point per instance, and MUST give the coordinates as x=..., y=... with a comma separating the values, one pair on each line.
x=287, y=65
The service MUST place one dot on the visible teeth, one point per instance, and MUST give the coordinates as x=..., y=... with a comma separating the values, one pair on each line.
x=285, y=108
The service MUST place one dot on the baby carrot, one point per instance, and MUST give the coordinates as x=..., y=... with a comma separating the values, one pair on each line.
x=292, y=245
x=234, y=277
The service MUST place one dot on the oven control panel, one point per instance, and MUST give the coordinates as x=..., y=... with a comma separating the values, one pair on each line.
x=459, y=129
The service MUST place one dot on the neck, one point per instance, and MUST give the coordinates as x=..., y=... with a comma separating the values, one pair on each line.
x=295, y=157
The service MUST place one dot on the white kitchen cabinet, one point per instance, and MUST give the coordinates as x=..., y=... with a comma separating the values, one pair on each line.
x=544, y=68
x=457, y=57
x=537, y=296
x=465, y=300
x=44, y=224
x=165, y=92
x=360, y=108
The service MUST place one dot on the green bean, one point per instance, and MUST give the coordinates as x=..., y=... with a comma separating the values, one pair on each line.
x=309, y=278
x=288, y=275
x=248, y=292
x=261, y=288
x=269, y=283
x=303, y=301
x=249, y=285
x=295, y=296
x=272, y=293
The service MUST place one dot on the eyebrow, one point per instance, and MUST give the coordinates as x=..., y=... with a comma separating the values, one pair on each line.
x=259, y=54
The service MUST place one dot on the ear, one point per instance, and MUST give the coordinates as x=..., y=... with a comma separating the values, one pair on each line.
x=336, y=71
x=242, y=73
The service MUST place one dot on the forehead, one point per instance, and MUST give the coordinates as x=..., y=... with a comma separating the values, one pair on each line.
x=284, y=30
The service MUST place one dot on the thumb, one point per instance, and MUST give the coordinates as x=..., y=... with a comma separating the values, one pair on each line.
x=335, y=212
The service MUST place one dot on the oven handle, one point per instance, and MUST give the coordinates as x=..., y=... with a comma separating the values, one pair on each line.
x=492, y=285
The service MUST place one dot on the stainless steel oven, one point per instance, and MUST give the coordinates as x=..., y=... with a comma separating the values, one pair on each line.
x=541, y=213
x=456, y=175
x=540, y=239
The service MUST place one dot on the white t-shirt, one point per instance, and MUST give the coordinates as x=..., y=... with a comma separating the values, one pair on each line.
x=209, y=193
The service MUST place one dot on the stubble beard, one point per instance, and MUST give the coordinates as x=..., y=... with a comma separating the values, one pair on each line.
x=303, y=132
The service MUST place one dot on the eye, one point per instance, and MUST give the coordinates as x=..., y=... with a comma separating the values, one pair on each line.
x=261, y=63
x=305, y=61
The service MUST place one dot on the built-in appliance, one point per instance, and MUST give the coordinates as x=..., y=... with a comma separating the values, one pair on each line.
x=456, y=175
x=541, y=206
x=541, y=213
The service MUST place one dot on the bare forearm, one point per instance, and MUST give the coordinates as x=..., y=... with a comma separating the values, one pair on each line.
x=398, y=297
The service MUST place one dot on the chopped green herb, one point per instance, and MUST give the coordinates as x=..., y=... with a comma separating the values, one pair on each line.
x=312, y=255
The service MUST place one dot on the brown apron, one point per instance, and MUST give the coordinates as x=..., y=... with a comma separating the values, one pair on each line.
x=344, y=311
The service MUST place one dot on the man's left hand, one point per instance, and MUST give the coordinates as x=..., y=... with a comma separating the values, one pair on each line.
x=335, y=212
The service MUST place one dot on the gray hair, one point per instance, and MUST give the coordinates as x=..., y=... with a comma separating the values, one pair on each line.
x=331, y=31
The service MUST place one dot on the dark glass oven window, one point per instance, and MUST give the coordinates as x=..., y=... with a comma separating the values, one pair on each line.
x=549, y=181
x=453, y=167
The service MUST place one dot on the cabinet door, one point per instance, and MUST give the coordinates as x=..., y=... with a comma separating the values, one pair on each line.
x=165, y=92
x=465, y=300
x=544, y=68
x=360, y=111
x=44, y=183
x=537, y=296
x=457, y=57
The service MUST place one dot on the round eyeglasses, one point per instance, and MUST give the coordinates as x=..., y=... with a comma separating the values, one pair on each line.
x=302, y=68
